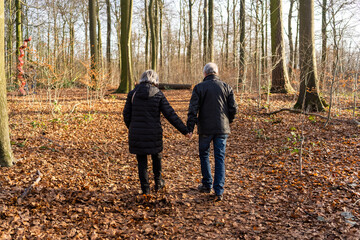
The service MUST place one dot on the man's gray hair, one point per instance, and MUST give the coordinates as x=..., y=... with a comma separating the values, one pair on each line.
x=149, y=76
x=210, y=68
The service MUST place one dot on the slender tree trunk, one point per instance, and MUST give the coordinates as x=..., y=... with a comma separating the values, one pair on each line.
x=235, y=33
x=99, y=36
x=189, y=47
x=18, y=28
x=153, y=32
x=160, y=29
x=227, y=34
x=6, y=155
x=126, y=83
x=205, y=36
x=242, y=42
x=108, y=37
x=146, y=35
x=280, y=78
x=290, y=38
x=308, y=99
x=93, y=44
x=211, y=30
x=10, y=42
x=324, y=43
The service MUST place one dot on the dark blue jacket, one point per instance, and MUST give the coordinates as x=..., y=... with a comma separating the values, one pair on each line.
x=142, y=117
x=212, y=107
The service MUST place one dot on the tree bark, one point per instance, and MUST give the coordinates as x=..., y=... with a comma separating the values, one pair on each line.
x=242, y=43
x=227, y=34
x=146, y=35
x=280, y=78
x=291, y=44
x=205, y=36
x=126, y=77
x=324, y=42
x=108, y=37
x=93, y=43
x=211, y=31
x=308, y=99
x=18, y=22
x=153, y=33
x=6, y=155
x=189, y=48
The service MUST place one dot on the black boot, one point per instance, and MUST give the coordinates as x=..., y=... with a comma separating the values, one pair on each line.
x=159, y=184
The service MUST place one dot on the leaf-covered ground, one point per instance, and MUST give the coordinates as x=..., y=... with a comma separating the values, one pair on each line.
x=90, y=189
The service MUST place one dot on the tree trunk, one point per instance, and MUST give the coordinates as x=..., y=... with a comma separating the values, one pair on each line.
x=108, y=37
x=227, y=34
x=6, y=155
x=308, y=99
x=93, y=44
x=154, y=39
x=242, y=42
x=235, y=33
x=205, y=36
x=160, y=28
x=189, y=48
x=10, y=42
x=146, y=35
x=291, y=44
x=280, y=78
x=211, y=31
x=99, y=40
x=324, y=43
x=18, y=28
x=126, y=77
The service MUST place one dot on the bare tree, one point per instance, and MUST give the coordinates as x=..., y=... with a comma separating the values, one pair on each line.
x=93, y=43
x=309, y=98
x=126, y=77
x=6, y=155
x=280, y=78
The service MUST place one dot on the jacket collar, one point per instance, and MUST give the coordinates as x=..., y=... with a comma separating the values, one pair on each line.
x=211, y=77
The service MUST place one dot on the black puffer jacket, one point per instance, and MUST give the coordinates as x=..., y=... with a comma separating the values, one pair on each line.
x=212, y=107
x=142, y=117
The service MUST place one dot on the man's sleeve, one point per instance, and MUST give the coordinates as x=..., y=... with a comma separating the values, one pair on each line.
x=232, y=105
x=193, y=110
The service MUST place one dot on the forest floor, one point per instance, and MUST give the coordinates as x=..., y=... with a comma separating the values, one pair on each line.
x=89, y=188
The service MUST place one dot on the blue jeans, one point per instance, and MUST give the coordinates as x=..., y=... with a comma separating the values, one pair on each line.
x=219, y=142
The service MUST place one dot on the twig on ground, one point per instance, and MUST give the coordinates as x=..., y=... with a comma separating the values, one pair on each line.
x=27, y=190
x=351, y=121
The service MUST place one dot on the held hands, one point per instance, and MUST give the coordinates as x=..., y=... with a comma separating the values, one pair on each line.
x=189, y=135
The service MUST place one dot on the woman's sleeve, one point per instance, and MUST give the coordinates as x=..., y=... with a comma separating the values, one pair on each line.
x=128, y=109
x=171, y=116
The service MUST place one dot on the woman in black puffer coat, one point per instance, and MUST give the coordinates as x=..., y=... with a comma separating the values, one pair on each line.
x=142, y=117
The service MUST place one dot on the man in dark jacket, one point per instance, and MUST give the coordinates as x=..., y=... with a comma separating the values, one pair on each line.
x=212, y=107
x=142, y=117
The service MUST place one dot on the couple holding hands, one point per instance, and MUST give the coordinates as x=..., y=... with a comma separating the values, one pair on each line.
x=212, y=108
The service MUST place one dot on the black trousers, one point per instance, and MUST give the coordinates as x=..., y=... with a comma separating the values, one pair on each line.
x=143, y=170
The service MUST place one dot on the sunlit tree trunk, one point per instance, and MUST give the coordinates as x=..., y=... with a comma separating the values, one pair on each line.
x=211, y=30
x=227, y=34
x=126, y=77
x=308, y=99
x=6, y=155
x=242, y=42
x=324, y=43
x=154, y=37
x=205, y=36
x=189, y=47
x=18, y=28
x=280, y=78
x=10, y=41
x=290, y=38
x=93, y=43
x=108, y=37
x=146, y=35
